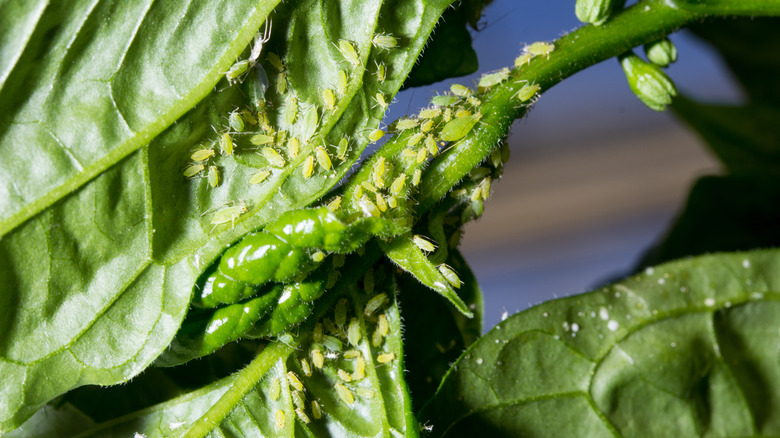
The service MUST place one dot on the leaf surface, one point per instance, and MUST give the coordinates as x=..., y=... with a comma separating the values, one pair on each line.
x=686, y=349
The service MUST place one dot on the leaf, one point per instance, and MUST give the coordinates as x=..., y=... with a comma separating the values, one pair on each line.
x=723, y=213
x=247, y=404
x=103, y=237
x=686, y=349
x=436, y=333
x=403, y=252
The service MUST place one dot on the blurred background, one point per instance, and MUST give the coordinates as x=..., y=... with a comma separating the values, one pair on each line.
x=595, y=176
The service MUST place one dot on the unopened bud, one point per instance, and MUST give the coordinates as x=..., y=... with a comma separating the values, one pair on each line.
x=661, y=52
x=593, y=11
x=648, y=82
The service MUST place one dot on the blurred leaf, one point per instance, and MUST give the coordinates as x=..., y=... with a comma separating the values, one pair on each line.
x=686, y=349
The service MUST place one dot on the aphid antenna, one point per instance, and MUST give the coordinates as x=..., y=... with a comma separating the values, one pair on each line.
x=257, y=46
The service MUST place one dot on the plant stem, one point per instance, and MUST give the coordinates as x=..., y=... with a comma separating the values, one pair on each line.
x=642, y=23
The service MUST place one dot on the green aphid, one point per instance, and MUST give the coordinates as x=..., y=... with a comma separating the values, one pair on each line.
x=462, y=112
x=299, y=399
x=527, y=92
x=353, y=332
x=405, y=123
x=378, y=172
x=392, y=202
x=379, y=98
x=344, y=376
x=422, y=155
x=476, y=194
x=259, y=177
x=384, y=41
x=311, y=121
x=323, y=158
x=383, y=325
x=376, y=339
x=273, y=58
x=316, y=410
x=261, y=139
x=293, y=147
x=281, y=137
x=273, y=157
x=368, y=207
x=193, y=169
x=374, y=304
x=228, y=214
x=341, y=82
x=368, y=186
x=360, y=370
x=414, y=139
x=416, y=177
x=352, y=354
x=385, y=357
x=369, y=281
x=329, y=98
x=460, y=90
x=473, y=101
x=348, y=52
x=226, y=144
x=540, y=48
x=431, y=113
x=493, y=79
x=381, y=71
x=376, y=135
x=409, y=153
x=333, y=206
x=358, y=193
x=281, y=83
x=398, y=184
x=445, y=100
x=423, y=243
x=317, y=359
x=447, y=116
x=236, y=122
x=449, y=275
x=343, y=148
x=307, y=168
x=459, y=127
x=340, y=312
x=294, y=380
x=365, y=392
x=332, y=343
x=344, y=393
x=302, y=415
x=291, y=109
x=281, y=419
x=523, y=59
x=236, y=70
x=316, y=334
x=202, y=154
x=430, y=144
x=213, y=176
x=381, y=204
x=478, y=173
x=426, y=125
x=484, y=187
x=318, y=256
x=247, y=116
x=275, y=389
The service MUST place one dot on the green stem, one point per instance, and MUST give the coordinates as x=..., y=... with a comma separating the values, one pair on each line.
x=642, y=23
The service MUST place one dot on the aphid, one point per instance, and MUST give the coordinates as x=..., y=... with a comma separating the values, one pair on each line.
x=331, y=327
x=360, y=369
x=385, y=357
x=478, y=173
x=213, y=176
x=329, y=99
x=286, y=338
x=342, y=148
x=381, y=203
x=348, y=52
x=540, y=48
x=431, y=113
x=316, y=410
x=353, y=332
x=368, y=282
x=261, y=139
x=202, y=154
x=473, y=101
x=291, y=109
x=305, y=367
x=495, y=158
x=228, y=214
x=423, y=243
x=341, y=82
x=476, y=194
x=398, y=184
x=430, y=144
x=281, y=83
x=302, y=415
x=458, y=128
x=392, y=202
x=484, y=186
x=525, y=58
x=449, y=275
x=293, y=147
x=317, y=359
x=365, y=392
x=379, y=98
x=404, y=124
x=374, y=136
x=299, y=399
x=527, y=92
x=259, y=41
x=332, y=343
x=344, y=393
x=311, y=120
x=323, y=158
x=426, y=125
x=374, y=304
x=351, y=354
x=422, y=154
x=445, y=100
x=340, y=312
x=294, y=380
x=376, y=339
x=460, y=90
x=318, y=256
x=416, y=177
x=358, y=193
x=409, y=153
x=273, y=58
x=273, y=157
x=317, y=333
x=378, y=173
x=262, y=119
x=382, y=325
x=447, y=115
x=236, y=70
x=333, y=206
x=343, y=375
x=462, y=112
x=384, y=41
x=414, y=139
x=235, y=122
x=276, y=389
x=280, y=419
x=226, y=144
x=492, y=79
x=281, y=137
x=193, y=169
x=247, y=116
x=307, y=168
x=381, y=71
x=368, y=207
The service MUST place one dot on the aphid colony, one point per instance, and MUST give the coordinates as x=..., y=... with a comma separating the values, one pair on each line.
x=340, y=349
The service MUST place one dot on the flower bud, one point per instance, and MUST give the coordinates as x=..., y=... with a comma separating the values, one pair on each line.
x=650, y=84
x=661, y=52
x=593, y=11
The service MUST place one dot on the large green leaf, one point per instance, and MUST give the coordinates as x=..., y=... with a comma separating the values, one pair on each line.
x=103, y=237
x=686, y=349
